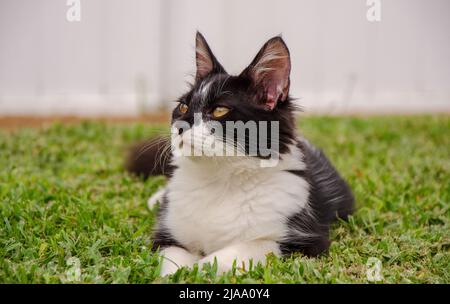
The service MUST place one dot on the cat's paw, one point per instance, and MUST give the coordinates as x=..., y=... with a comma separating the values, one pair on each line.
x=174, y=258
x=168, y=268
x=242, y=254
x=225, y=259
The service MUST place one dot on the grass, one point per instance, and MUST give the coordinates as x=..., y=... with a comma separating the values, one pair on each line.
x=69, y=213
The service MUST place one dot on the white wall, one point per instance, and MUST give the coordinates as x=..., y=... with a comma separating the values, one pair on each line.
x=127, y=55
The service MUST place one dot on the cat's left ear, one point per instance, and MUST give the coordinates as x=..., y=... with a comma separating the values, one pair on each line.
x=205, y=59
x=270, y=71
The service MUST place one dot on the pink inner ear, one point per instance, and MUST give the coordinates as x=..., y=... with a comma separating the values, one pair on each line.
x=204, y=62
x=272, y=97
x=270, y=72
x=276, y=86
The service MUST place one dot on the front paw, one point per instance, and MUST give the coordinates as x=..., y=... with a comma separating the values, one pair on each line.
x=173, y=258
x=168, y=267
x=225, y=261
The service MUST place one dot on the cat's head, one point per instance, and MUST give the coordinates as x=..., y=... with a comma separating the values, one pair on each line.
x=251, y=112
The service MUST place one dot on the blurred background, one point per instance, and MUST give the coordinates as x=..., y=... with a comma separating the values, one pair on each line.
x=133, y=57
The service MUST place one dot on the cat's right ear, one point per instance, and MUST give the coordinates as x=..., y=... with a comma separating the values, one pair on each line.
x=205, y=59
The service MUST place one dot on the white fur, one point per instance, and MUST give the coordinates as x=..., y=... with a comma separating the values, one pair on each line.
x=155, y=198
x=204, y=89
x=242, y=253
x=231, y=208
x=174, y=258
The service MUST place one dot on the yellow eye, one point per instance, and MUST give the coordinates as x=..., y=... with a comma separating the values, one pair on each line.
x=183, y=108
x=220, y=111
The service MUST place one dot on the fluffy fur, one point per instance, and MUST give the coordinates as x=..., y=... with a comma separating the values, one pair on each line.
x=230, y=208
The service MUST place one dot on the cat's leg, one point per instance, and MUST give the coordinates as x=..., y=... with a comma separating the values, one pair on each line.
x=175, y=257
x=242, y=252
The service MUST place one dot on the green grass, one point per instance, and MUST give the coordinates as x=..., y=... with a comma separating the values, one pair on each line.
x=65, y=202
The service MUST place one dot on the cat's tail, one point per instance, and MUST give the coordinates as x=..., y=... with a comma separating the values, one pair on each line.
x=150, y=158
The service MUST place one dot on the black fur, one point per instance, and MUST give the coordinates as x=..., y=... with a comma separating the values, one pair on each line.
x=330, y=198
x=162, y=237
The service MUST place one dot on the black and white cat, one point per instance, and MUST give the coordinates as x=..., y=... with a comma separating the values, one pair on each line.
x=230, y=207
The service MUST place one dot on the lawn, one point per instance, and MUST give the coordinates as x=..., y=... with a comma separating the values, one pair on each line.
x=69, y=212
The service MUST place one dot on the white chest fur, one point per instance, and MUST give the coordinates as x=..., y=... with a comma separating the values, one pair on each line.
x=213, y=205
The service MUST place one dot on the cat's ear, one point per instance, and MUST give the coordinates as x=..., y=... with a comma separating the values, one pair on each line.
x=270, y=71
x=205, y=59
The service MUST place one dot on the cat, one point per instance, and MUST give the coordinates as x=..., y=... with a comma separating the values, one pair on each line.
x=231, y=208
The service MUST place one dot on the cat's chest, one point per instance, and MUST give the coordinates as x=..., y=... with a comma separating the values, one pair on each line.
x=206, y=214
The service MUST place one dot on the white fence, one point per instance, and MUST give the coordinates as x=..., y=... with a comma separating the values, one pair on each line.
x=124, y=57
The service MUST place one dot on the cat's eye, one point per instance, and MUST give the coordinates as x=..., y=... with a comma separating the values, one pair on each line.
x=183, y=108
x=220, y=111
